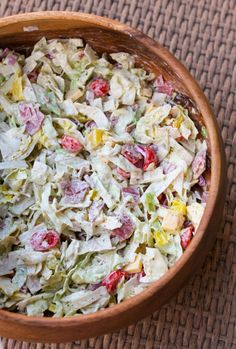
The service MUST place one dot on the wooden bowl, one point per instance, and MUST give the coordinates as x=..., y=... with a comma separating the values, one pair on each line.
x=106, y=35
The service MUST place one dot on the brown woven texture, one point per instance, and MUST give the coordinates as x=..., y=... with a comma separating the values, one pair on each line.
x=202, y=34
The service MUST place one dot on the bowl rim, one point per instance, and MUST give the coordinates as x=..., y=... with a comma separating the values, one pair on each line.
x=217, y=171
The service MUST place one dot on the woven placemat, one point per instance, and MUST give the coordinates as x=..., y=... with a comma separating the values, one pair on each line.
x=202, y=34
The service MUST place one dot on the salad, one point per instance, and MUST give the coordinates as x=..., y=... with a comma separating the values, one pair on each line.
x=102, y=178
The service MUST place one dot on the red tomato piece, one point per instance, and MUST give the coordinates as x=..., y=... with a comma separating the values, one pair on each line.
x=123, y=173
x=44, y=240
x=71, y=144
x=186, y=236
x=149, y=155
x=111, y=281
x=140, y=156
x=100, y=87
x=126, y=230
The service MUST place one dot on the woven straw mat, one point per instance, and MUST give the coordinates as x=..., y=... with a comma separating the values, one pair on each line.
x=202, y=34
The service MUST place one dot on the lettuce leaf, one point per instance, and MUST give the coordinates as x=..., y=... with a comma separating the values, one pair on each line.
x=81, y=299
x=155, y=265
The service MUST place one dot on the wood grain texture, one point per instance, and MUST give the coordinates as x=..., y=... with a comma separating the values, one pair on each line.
x=107, y=35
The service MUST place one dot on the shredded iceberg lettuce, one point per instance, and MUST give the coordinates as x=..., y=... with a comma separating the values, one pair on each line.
x=102, y=179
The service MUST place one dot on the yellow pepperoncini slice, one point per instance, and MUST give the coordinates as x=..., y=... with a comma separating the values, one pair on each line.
x=95, y=137
x=179, y=206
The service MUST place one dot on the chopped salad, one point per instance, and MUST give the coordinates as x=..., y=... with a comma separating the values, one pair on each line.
x=102, y=178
